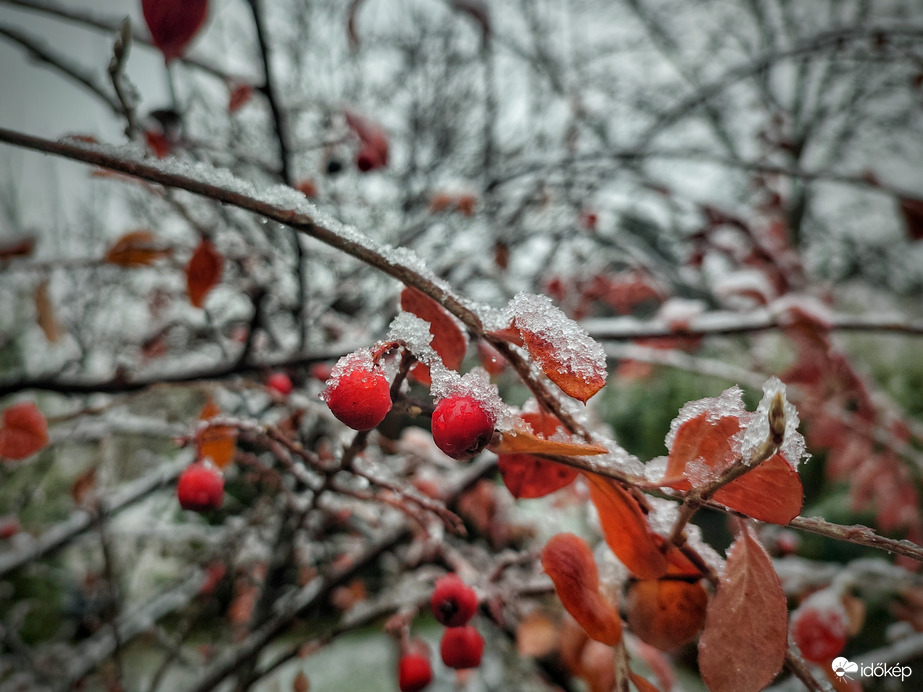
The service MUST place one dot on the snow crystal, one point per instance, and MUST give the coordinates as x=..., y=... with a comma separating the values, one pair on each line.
x=663, y=515
x=729, y=403
x=757, y=431
x=360, y=359
x=476, y=384
x=655, y=469
x=576, y=350
x=415, y=334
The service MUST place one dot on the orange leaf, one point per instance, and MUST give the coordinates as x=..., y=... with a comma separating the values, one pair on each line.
x=203, y=272
x=136, y=249
x=448, y=339
x=45, y=312
x=562, y=348
x=569, y=562
x=703, y=441
x=24, y=431
x=626, y=529
x=216, y=442
x=746, y=624
x=523, y=442
x=771, y=492
x=642, y=684
x=536, y=635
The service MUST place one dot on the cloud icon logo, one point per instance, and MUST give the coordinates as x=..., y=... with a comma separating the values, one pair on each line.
x=841, y=667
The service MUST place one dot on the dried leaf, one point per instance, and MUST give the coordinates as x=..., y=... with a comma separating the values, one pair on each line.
x=569, y=562
x=448, y=339
x=626, y=529
x=746, y=627
x=203, y=272
x=24, y=431
x=44, y=313
x=136, y=249
x=216, y=442
x=536, y=635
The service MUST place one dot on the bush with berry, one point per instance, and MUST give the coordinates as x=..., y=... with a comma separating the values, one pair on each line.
x=462, y=345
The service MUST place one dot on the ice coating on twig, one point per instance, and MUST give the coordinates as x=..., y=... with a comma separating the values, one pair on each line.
x=574, y=349
x=729, y=403
x=757, y=431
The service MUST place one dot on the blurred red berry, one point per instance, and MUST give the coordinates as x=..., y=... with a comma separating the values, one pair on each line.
x=174, y=23
x=818, y=627
x=453, y=602
x=462, y=426
x=280, y=382
x=200, y=488
x=461, y=647
x=414, y=672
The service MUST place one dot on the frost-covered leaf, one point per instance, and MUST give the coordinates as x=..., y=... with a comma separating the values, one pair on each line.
x=203, y=272
x=743, y=645
x=569, y=562
x=215, y=442
x=561, y=347
x=626, y=529
x=136, y=249
x=702, y=448
x=24, y=431
x=448, y=339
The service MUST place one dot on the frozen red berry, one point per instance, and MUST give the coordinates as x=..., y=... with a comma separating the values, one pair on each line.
x=358, y=393
x=414, y=672
x=280, y=382
x=453, y=601
x=462, y=426
x=819, y=626
x=461, y=647
x=200, y=488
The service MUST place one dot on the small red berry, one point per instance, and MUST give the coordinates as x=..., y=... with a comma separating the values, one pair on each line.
x=358, y=393
x=462, y=426
x=818, y=627
x=453, y=602
x=461, y=647
x=280, y=382
x=414, y=672
x=200, y=488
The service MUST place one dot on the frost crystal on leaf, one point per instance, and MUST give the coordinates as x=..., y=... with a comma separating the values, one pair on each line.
x=757, y=431
x=415, y=333
x=729, y=403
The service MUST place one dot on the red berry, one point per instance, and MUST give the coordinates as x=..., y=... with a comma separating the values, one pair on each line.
x=200, y=488
x=818, y=627
x=461, y=647
x=462, y=426
x=453, y=602
x=358, y=393
x=280, y=382
x=414, y=672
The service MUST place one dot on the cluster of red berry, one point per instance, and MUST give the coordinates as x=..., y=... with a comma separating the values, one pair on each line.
x=453, y=603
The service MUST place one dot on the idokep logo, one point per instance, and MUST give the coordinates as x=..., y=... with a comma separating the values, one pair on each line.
x=843, y=667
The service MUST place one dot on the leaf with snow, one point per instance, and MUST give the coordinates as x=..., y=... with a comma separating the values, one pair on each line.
x=745, y=638
x=561, y=347
x=449, y=342
x=24, y=431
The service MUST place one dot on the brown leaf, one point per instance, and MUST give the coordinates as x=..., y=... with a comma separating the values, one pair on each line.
x=448, y=339
x=746, y=626
x=136, y=249
x=45, y=313
x=83, y=486
x=22, y=247
x=642, y=684
x=24, y=431
x=203, y=272
x=301, y=682
x=626, y=529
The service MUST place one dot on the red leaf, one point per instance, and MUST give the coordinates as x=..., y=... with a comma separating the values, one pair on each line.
x=216, y=442
x=528, y=476
x=703, y=441
x=240, y=96
x=173, y=23
x=746, y=627
x=912, y=211
x=374, y=140
x=136, y=249
x=626, y=529
x=569, y=562
x=448, y=339
x=24, y=431
x=203, y=272
x=771, y=492
x=642, y=684
x=158, y=143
